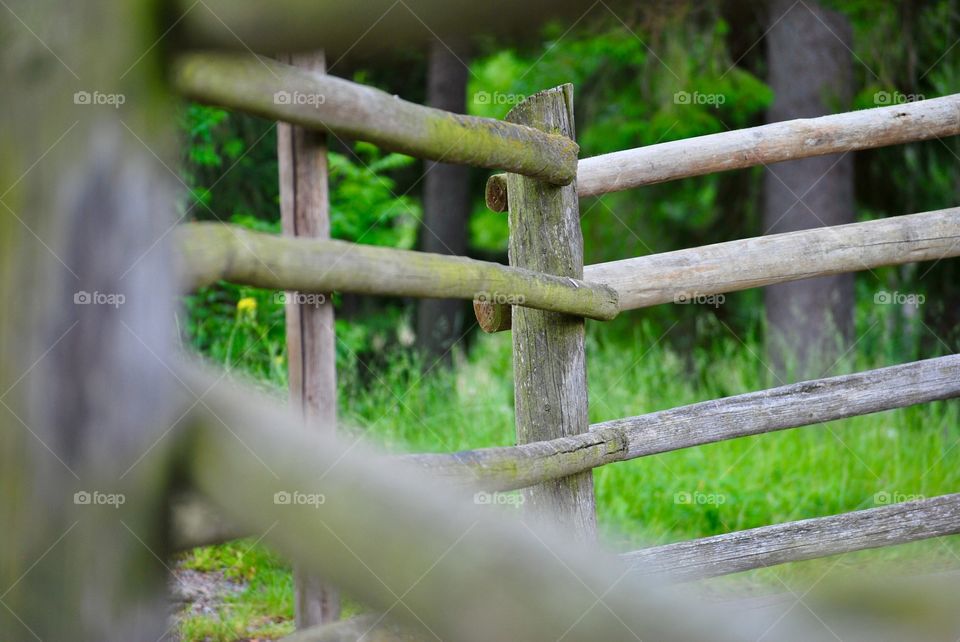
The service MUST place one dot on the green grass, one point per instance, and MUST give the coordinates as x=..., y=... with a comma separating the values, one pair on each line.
x=744, y=483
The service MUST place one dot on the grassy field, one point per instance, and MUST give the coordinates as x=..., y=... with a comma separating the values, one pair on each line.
x=807, y=472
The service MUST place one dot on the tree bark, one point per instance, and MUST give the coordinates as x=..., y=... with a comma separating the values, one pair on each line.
x=446, y=202
x=808, y=53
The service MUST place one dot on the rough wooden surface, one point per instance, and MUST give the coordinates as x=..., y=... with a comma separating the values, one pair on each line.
x=311, y=344
x=790, y=406
x=495, y=193
x=208, y=252
x=690, y=276
x=801, y=540
x=777, y=258
x=251, y=84
x=549, y=364
x=492, y=317
x=766, y=144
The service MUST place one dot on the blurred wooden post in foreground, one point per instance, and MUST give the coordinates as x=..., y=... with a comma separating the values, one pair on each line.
x=549, y=365
x=88, y=422
x=305, y=211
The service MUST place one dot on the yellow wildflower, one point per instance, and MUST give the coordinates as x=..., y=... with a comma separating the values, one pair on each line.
x=247, y=305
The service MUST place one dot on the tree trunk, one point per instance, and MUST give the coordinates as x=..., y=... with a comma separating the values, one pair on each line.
x=446, y=203
x=809, y=60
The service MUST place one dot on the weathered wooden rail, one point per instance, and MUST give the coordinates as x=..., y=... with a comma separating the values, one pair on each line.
x=802, y=540
x=763, y=145
x=385, y=533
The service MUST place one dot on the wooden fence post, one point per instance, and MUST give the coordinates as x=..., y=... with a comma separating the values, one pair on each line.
x=311, y=343
x=549, y=366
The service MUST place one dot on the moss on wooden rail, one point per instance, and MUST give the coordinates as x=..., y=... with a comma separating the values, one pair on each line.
x=282, y=92
x=209, y=252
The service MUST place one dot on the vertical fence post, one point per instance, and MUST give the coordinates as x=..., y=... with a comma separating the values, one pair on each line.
x=305, y=211
x=549, y=366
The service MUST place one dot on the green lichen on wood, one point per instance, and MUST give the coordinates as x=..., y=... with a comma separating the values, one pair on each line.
x=265, y=87
x=549, y=363
x=208, y=252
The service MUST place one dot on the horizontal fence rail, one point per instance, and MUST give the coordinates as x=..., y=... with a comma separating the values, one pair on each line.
x=209, y=252
x=755, y=413
x=791, y=406
x=763, y=145
x=801, y=540
x=694, y=274
x=777, y=258
x=215, y=251
x=283, y=92
x=792, y=139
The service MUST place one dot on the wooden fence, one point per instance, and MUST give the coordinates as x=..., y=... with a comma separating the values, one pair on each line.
x=385, y=528
x=556, y=448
